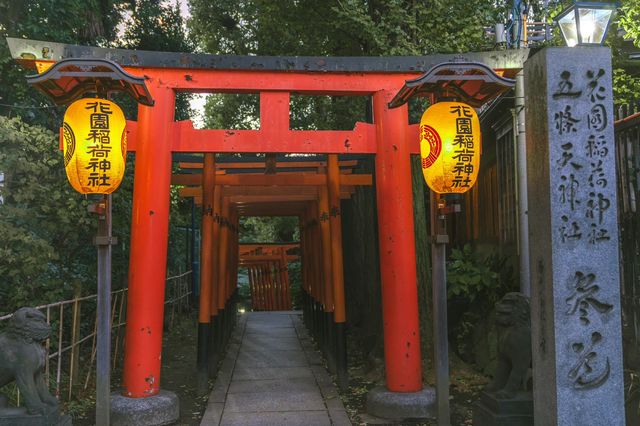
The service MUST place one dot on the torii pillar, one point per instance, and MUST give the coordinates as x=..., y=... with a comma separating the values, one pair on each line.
x=142, y=401
x=404, y=395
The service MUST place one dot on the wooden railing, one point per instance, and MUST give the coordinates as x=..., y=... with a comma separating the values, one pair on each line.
x=70, y=365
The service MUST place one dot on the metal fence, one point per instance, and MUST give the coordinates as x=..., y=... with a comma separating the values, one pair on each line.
x=627, y=128
x=70, y=365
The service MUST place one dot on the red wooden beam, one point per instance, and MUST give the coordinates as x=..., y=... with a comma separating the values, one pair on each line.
x=185, y=138
x=260, y=179
x=360, y=140
x=237, y=81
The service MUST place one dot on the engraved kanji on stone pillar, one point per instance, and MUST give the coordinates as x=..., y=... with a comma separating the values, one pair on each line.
x=573, y=226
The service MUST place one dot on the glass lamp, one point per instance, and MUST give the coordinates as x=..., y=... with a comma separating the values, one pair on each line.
x=585, y=23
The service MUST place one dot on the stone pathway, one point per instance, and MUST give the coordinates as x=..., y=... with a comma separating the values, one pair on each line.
x=272, y=375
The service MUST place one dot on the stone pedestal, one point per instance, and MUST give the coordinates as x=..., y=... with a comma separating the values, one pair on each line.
x=573, y=230
x=402, y=405
x=490, y=411
x=160, y=409
x=19, y=417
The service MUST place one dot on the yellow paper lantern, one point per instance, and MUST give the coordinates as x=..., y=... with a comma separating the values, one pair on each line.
x=450, y=146
x=95, y=145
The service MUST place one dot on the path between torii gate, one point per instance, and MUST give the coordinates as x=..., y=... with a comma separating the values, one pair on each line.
x=272, y=375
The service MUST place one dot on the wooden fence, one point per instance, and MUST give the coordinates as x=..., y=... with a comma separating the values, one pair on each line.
x=70, y=366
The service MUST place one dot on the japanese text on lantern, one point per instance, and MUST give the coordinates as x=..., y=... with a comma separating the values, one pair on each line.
x=582, y=158
x=464, y=148
x=99, y=144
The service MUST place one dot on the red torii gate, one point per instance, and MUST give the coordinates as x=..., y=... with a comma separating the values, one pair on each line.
x=390, y=138
x=155, y=136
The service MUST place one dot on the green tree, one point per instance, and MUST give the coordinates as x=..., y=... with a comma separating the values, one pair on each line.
x=280, y=229
x=45, y=228
x=626, y=78
x=156, y=25
x=44, y=224
x=64, y=21
x=630, y=20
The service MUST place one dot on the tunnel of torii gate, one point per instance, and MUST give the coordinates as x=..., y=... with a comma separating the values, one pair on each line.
x=156, y=137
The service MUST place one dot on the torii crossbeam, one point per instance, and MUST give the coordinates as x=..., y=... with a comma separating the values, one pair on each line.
x=156, y=136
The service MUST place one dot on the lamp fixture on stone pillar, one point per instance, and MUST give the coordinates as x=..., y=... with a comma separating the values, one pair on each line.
x=585, y=23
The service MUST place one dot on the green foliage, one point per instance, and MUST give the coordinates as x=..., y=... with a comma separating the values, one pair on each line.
x=475, y=282
x=156, y=26
x=400, y=27
x=63, y=21
x=44, y=225
x=468, y=276
x=232, y=111
x=335, y=28
x=626, y=88
x=478, y=277
x=341, y=27
x=46, y=232
x=280, y=229
x=629, y=19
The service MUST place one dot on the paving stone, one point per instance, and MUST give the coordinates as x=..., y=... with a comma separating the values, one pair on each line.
x=281, y=332
x=213, y=414
x=273, y=375
x=227, y=364
x=319, y=371
x=248, y=373
x=269, y=325
x=300, y=384
x=334, y=403
x=271, y=359
x=274, y=401
x=329, y=391
x=339, y=418
x=217, y=396
x=252, y=343
x=293, y=418
x=268, y=328
x=314, y=358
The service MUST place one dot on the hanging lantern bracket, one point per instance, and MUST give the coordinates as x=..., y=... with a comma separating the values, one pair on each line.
x=473, y=83
x=71, y=79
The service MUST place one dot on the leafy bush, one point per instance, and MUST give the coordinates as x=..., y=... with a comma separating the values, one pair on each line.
x=45, y=229
x=475, y=282
x=467, y=276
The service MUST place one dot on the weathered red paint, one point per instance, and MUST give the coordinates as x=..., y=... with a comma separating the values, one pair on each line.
x=148, y=256
x=207, y=241
x=156, y=136
x=335, y=221
x=360, y=140
x=242, y=81
x=397, y=248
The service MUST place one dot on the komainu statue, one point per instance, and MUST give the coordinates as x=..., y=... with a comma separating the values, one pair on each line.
x=514, y=346
x=22, y=358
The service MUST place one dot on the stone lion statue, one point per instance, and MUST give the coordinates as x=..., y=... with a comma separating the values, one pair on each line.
x=22, y=358
x=514, y=346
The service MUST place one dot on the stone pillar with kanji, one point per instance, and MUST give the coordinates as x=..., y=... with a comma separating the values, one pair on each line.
x=573, y=229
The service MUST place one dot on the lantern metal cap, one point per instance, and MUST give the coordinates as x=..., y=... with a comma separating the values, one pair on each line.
x=473, y=83
x=70, y=79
